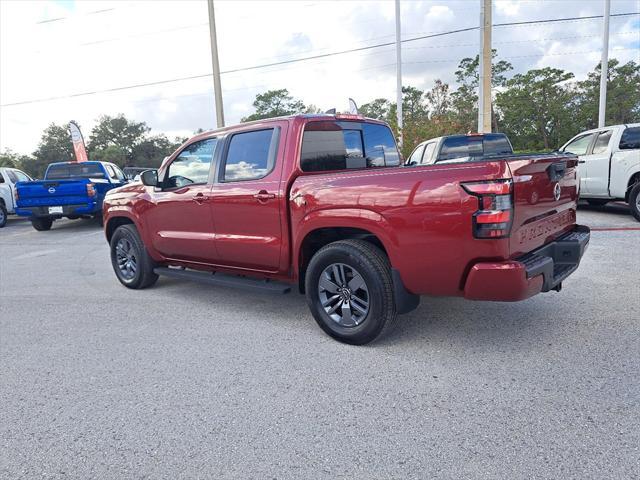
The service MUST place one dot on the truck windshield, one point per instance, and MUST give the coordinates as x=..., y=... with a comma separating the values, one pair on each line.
x=74, y=170
x=471, y=146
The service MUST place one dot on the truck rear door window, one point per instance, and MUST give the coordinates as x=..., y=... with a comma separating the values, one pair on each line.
x=331, y=145
x=630, y=139
x=250, y=155
x=74, y=170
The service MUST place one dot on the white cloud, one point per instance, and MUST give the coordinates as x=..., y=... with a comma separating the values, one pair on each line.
x=509, y=8
x=129, y=43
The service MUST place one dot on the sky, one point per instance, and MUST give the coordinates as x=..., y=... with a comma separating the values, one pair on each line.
x=54, y=48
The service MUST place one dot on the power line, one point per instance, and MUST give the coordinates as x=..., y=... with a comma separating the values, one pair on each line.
x=313, y=57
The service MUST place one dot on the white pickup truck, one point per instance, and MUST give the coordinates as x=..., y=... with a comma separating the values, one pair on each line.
x=609, y=164
x=8, y=179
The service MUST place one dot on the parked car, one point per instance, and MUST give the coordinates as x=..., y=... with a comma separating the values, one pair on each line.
x=69, y=189
x=8, y=179
x=322, y=202
x=609, y=164
x=455, y=148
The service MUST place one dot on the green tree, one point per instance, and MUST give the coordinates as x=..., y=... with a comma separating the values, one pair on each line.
x=414, y=107
x=439, y=99
x=623, y=95
x=275, y=103
x=10, y=159
x=378, y=109
x=151, y=151
x=465, y=98
x=112, y=153
x=55, y=146
x=536, y=109
x=116, y=132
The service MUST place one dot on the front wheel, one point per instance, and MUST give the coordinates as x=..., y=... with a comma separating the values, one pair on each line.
x=634, y=201
x=131, y=263
x=3, y=215
x=350, y=291
x=41, y=224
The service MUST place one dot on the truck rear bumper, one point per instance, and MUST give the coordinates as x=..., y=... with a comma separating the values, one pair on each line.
x=43, y=211
x=542, y=270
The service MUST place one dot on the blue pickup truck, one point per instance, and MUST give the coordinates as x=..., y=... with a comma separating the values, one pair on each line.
x=69, y=189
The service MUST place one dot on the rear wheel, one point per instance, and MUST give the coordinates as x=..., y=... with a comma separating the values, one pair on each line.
x=350, y=292
x=131, y=263
x=41, y=224
x=634, y=201
x=3, y=215
x=597, y=202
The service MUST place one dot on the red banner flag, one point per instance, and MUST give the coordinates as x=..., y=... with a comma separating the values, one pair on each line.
x=78, y=142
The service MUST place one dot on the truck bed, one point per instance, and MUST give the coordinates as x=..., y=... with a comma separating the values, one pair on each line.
x=427, y=217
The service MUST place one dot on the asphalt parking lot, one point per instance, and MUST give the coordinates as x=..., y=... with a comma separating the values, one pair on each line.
x=190, y=381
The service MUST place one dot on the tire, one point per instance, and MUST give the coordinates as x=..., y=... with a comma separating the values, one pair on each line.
x=99, y=219
x=597, y=202
x=126, y=246
x=3, y=215
x=73, y=217
x=41, y=224
x=634, y=201
x=350, y=259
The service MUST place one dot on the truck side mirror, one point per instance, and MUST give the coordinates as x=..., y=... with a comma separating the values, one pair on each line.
x=149, y=178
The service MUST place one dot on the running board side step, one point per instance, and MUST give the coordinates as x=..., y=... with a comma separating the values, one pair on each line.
x=225, y=280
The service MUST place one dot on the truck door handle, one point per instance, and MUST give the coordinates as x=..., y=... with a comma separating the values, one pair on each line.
x=263, y=195
x=199, y=198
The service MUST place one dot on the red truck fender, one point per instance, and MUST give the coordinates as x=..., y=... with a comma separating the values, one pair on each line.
x=358, y=218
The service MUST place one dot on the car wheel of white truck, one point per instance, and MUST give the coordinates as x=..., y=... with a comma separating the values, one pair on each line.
x=634, y=201
x=349, y=290
x=3, y=215
x=131, y=263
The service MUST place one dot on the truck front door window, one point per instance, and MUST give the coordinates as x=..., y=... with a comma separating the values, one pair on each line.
x=22, y=177
x=580, y=145
x=192, y=165
x=416, y=156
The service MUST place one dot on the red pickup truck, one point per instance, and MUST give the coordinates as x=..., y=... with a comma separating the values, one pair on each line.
x=324, y=202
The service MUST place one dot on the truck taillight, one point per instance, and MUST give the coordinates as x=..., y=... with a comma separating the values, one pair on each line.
x=91, y=190
x=495, y=208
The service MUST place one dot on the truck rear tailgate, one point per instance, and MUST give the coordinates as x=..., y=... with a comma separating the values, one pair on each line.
x=545, y=193
x=53, y=192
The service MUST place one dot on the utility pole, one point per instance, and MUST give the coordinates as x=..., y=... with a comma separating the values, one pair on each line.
x=399, y=74
x=484, y=84
x=604, y=64
x=217, y=89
